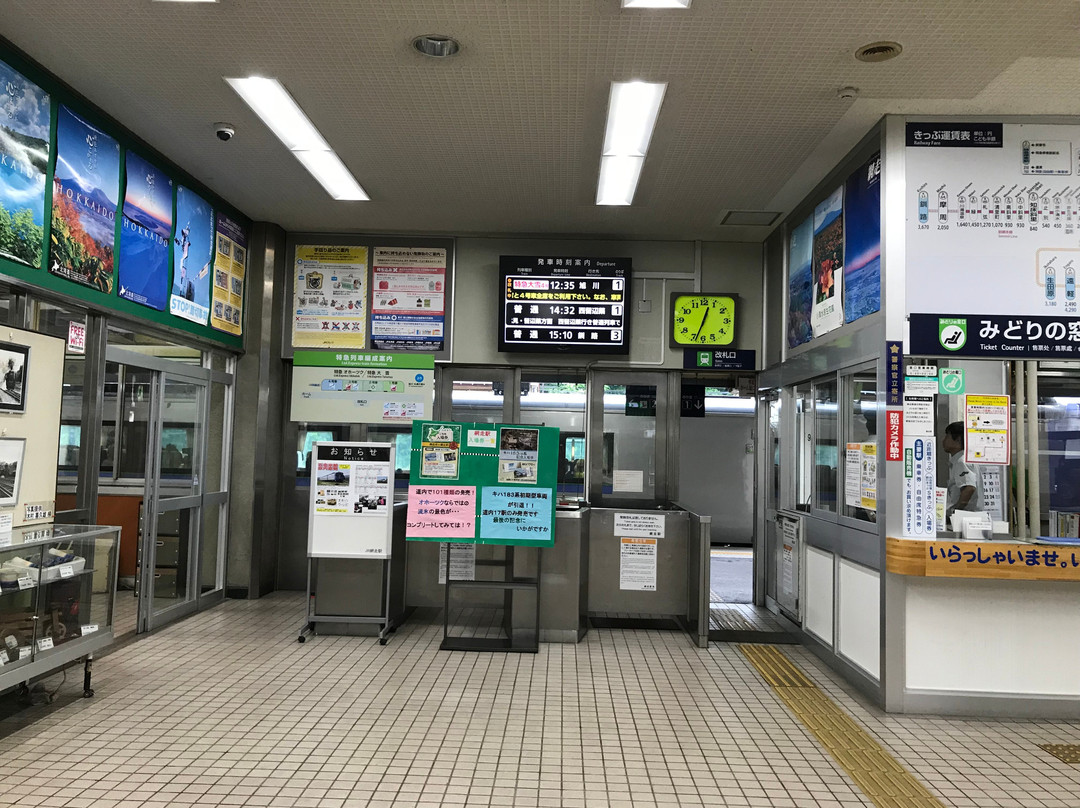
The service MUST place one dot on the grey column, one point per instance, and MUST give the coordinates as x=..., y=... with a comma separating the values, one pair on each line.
x=256, y=451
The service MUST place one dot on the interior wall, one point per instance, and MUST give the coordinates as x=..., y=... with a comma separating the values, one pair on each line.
x=734, y=267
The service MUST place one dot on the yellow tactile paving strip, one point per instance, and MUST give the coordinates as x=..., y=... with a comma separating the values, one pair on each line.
x=1065, y=752
x=882, y=779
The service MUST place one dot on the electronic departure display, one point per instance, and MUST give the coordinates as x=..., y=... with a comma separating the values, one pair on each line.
x=576, y=305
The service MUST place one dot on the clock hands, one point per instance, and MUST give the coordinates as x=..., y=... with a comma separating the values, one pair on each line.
x=702, y=326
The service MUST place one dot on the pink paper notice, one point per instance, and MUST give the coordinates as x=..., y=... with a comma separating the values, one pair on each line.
x=441, y=512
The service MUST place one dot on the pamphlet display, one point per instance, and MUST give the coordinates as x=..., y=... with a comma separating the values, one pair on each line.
x=992, y=207
x=24, y=161
x=86, y=187
x=408, y=298
x=330, y=296
x=361, y=387
x=557, y=304
x=467, y=487
x=145, y=234
x=352, y=497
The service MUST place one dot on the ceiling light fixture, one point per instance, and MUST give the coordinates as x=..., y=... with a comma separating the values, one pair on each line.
x=633, y=107
x=436, y=46
x=283, y=116
x=656, y=3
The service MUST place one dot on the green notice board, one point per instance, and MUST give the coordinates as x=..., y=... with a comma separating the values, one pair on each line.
x=483, y=483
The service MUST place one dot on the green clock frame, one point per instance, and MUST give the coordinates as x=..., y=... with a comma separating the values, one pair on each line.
x=699, y=319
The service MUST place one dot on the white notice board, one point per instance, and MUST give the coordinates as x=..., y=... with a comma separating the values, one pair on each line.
x=350, y=512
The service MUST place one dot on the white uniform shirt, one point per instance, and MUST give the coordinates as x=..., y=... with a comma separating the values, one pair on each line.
x=962, y=475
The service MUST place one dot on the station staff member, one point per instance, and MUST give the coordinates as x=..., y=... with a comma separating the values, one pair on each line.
x=963, y=489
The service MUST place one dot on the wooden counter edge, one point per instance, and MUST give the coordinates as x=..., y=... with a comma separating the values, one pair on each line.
x=909, y=557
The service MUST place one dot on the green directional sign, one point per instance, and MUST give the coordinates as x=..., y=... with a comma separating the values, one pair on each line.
x=951, y=381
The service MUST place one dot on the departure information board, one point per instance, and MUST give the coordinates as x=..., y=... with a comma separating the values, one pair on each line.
x=577, y=305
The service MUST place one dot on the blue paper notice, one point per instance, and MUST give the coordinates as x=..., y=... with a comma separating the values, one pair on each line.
x=515, y=513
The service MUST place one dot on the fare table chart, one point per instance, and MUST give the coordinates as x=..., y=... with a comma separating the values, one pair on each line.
x=485, y=484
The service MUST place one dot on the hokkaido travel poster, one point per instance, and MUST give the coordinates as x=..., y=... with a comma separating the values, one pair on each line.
x=193, y=245
x=828, y=265
x=24, y=161
x=144, y=234
x=86, y=186
x=800, y=283
x=862, y=241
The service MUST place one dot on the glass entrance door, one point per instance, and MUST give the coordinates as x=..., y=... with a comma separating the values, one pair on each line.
x=159, y=420
x=169, y=571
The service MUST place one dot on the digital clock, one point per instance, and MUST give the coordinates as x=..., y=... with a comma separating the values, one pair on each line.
x=701, y=319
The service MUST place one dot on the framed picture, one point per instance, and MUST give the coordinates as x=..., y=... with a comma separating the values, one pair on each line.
x=11, y=463
x=14, y=364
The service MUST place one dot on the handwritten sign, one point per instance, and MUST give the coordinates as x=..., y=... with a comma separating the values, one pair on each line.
x=515, y=513
x=441, y=511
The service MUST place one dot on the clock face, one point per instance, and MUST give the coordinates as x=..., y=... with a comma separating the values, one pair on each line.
x=703, y=320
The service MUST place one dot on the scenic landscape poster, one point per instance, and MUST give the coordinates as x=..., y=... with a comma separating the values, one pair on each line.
x=800, y=283
x=828, y=263
x=144, y=234
x=24, y=162
x=192, y=248
x=86, y=187
x=862, y=241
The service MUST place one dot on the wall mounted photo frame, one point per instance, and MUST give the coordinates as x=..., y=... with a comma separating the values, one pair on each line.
x=11, y=465
x=14, y=367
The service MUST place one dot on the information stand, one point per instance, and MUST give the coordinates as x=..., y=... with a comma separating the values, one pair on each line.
x=487, y=484
x=351, y=516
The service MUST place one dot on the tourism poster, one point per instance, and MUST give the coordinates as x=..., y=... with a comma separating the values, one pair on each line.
x=330, y=296
x=86, y=188
x=828, y=263
x=145, y=230
x=192, y=257
x=408, y=298
x=24, y=162
x=800, y=284
x=230, y=265
x=862, y=241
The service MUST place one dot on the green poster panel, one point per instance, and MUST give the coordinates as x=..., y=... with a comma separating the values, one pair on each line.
x=483, y=483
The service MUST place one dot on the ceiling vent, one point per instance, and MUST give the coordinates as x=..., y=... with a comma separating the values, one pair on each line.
x=436, y=46
x=749, y=218
x=878, y=52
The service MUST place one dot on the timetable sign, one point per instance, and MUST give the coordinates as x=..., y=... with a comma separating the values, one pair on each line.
x=571, y=304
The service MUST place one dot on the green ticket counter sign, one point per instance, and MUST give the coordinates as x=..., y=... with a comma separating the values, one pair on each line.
x=483, y=483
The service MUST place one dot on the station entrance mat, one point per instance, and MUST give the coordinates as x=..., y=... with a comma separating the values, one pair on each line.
x=732, y=624
x=1065, y=752
x=653, y=623
x=878, y=774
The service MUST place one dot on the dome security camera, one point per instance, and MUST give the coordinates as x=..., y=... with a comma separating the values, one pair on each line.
x=224, y=131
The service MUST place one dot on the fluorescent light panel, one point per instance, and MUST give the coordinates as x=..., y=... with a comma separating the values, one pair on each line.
x=283, y=116
x=656, y=3
x=633, y=107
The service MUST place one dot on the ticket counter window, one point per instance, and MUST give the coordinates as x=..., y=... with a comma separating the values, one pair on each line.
x=826, y=449
x=554, y=398
x=860, y=447
x=479, y=402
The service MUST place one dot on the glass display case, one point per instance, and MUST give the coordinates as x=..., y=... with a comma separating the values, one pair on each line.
x=57, y=590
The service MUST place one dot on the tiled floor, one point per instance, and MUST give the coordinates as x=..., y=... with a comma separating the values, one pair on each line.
x=226, y=708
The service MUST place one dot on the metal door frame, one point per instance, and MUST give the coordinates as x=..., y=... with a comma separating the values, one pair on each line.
x=668, y=384
x=146, y=619
x=510, y=377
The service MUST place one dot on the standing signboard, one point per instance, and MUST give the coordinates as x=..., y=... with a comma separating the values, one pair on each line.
x=352, y=499
x=464, y=486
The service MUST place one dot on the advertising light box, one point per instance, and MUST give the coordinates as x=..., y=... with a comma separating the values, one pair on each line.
x=552, y=305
